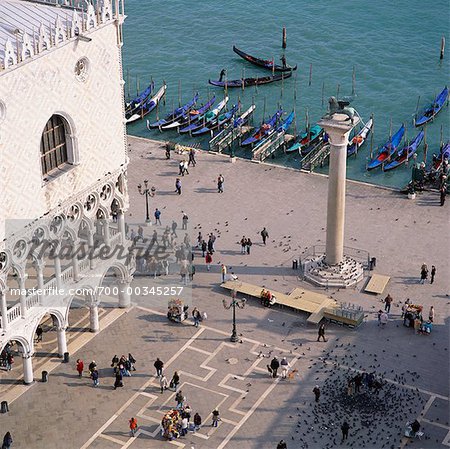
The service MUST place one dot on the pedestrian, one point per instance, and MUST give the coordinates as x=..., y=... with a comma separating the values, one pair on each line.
x=133, y=235
x=80, y=367
x=184, y=426
x=384, y=318
x=180, y=399
x=118, y=383
x=249, y=245
x=196, y=315
x=181, y=168
x=184, y=274
x=358, y=382
x=321, y=332
x=7, y=441
x=191, y=271
x=274, y=365
x=192, y=157
x=92, y=366
x=197, y=422
x=405, y=307
x=39, y=333
x=433, y=273
x=443, y=193
x=140, y=233
x=133, y=426
x=243, y=245
x=215, y=417
x=163, y=383
x=9, y=361
x=157, y=217
x=178, y=186
x=379, y=317
x=345, y=427
x=159, y=365
x=387, y=303
x=282, y=445
x=284, y=367
x=184, y=221
x=94, y=377
x=204, y=247
x=431, y=314
x=223, y=270
x=174, y=228
x=208, y=260
x=220, y=181
x=264, y=235
x=316, y=391
x=167, y=151
x=175, y=381
x=423, y=273
x=131, y=361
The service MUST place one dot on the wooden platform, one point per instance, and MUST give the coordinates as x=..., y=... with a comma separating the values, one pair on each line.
x=299, y=299
x=377, y=283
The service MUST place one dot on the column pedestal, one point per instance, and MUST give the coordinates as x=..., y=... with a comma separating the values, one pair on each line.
x=93, y=318
x=27, y=369
x=62, y=342
x=124, y=294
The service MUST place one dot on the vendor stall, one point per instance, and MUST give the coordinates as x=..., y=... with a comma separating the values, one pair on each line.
x=171, y=424
x=413, y=318
x=177, y=311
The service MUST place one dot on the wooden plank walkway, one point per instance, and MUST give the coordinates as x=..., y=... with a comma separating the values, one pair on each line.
x=377, y=283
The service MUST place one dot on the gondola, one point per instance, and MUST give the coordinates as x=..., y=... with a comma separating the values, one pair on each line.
x=244, y=118
x=433, y=109
x=439, y=159
x=263, y=130
x=405, y=153
x=266, y=63
x=303, y=142
x=388, y=149
x=220, y=121
x=359, y=138
x=174, y=115
x=250, y=81
x=148, y=106
x=205, y=119
x=137, y=102
x=192, y=116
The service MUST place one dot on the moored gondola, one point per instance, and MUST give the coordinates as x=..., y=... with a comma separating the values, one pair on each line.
x=433, y=109
x=148, y=106
x=256, y=81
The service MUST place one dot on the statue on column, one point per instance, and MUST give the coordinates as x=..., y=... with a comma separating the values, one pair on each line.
x=341, y=107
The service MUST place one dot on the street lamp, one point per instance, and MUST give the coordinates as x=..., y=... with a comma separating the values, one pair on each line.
x=234, y=303
x=147, y=193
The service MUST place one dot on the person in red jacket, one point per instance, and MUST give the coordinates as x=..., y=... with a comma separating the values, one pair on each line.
x=208, y=260
x=80, y=367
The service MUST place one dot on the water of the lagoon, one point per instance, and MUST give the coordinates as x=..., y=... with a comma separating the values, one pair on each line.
x=394, y=47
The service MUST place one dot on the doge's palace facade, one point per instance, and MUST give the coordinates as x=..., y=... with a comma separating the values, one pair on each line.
x=63, y=161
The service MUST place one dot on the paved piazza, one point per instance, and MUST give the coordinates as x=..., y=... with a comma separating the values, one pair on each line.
x=256, y=410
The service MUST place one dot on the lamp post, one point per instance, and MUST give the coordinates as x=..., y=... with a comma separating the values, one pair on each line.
x=240, y=303
x=147, y=193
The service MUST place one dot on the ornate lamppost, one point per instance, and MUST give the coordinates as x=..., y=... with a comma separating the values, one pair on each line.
x=147, y=193
x=240, y=303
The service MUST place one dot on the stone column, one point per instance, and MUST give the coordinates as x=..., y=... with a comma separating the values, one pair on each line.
x=121, y=223
x=4, y=309
x=75, y=268
x=57, y=262
x=124, y=293
x=39, y=267
x=28, y=377
x=93, y=317
x=106, y=234
x=62, y=342
x=23, y=298
x=338, y=130
x=90, y=236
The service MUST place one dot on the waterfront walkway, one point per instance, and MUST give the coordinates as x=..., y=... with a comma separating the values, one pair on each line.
x=256, y=410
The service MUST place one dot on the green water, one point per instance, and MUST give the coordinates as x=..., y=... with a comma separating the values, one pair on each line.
x=394, y=47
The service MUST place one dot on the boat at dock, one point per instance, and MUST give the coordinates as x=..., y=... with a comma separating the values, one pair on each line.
x=263, y=130
x=138, y=102
x=305, y=141
x=405, y=153
x=205, y=118
x=359, y=138
x=387, y=150
x=217, y=123
x=246, y=82
x=148, y=106
x=433, y=109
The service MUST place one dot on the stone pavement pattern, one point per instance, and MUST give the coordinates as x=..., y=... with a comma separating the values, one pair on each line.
x=292, y=207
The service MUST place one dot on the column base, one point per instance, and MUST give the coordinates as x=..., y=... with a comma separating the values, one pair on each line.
x=346, y=274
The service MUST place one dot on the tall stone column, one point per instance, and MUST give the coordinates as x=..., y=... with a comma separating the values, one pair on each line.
x=62, y=341
x=105, y=232
x=4, y=310
x=338, y=130
x=124, y=293
x=27, y=361
x=23, y=297
x=91, y=247
x=93, y=317
x=57, y=262
x=121, y=223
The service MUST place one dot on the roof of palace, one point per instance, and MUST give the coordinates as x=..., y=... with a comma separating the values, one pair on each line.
x=29, y=27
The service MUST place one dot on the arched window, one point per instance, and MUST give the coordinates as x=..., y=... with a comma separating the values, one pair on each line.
x=54, y=145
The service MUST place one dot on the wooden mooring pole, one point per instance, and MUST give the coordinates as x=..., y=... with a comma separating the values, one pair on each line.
x=283, y=45
x=442, y=47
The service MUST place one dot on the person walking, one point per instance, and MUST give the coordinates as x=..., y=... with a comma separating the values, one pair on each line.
x=175, y=381
x=92, y=366
x=192, y=157
x=184, y=221
x=223, y=270
x=133, y=426
x=282, y=445
x=196, y=315
x=197, y=422
x=274, y=365
x=39, y=333
x=159, y=365
x=185, y=167
x=345, y=428
x=184, y=426
x=174, y=228
x=118, y=383
x=163, y=383
x=316, y=391
x=220, y=181
x=215, y=417
x=204, y=247
x=443, y=193
x=210, y=244
x=181, y=168
x=404, y=308
x=249, y=245
x=180, y=399
x=321, y=332
x=178, y=186
x=387, y=303
x=94, y=377
x=433, y=273
x=284, y=367
x=208, y=260
x=423, y=273
x=157, y=217
x=243, y=244
x=264, y=235
x=7, y=441
x=80, y=367
x=431, y=314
